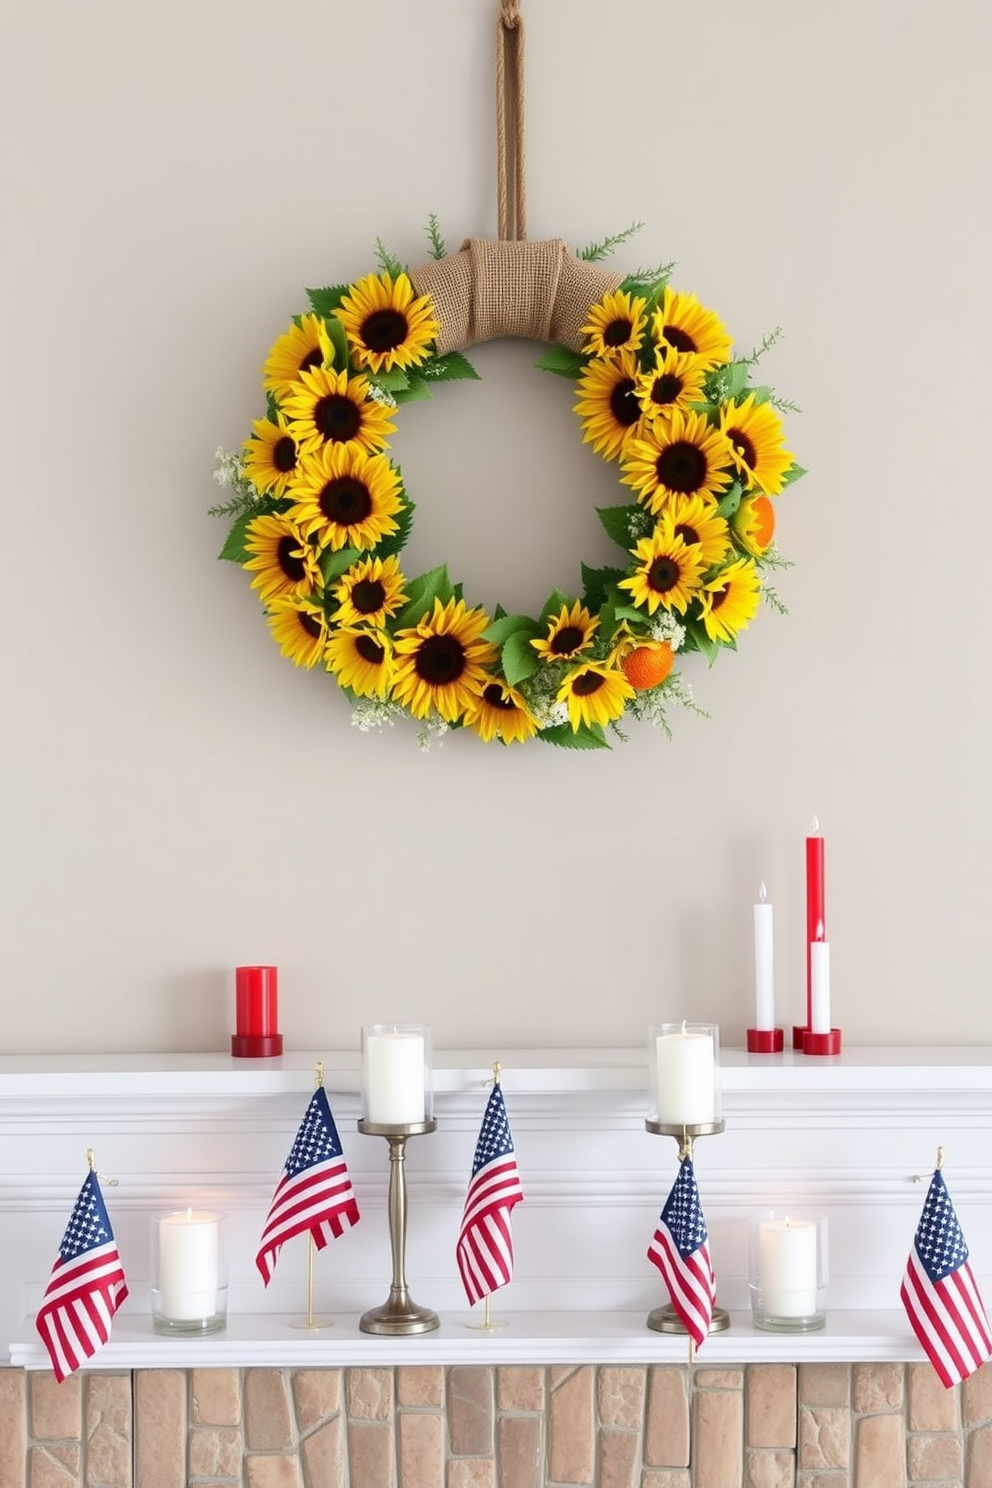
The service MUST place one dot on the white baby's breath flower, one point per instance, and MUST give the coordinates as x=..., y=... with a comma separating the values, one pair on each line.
x=369, y=713
x=665, y=627
x=379, y=395
x=432, y=731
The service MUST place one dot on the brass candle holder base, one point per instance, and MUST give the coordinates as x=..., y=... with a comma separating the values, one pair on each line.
x=399, y=1314
x=665, y=1319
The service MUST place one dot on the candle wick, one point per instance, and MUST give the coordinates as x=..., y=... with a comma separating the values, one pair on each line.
x=762, y=893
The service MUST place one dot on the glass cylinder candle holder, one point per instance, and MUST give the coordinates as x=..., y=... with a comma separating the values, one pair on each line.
x=397, y=1075
x=683, y=1074
x=789, y=1272
x=189, y=1272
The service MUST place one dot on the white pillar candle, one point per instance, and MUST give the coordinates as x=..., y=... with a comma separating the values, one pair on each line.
x=819, y=967
x=764, y=964
x=686, y=1069
x=189, y=1264
x=787, y=1262
x=394, y=1077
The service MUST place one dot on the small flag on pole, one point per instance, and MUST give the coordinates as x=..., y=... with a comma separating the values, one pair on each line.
x=86, y=1287
x=680, y=1249
x=314, y=1194
x=485, y=1242
x=939, y=1292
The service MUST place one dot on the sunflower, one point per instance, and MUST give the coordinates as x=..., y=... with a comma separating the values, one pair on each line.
x=568, y=635
x=284, y=562
x=730, y=600
x=679, y=456
x=299, y=628
x=608, y=404
x=270, y=455
x=595, y=693
x=501, y=712
x=756, y=437
x=345, y=498
x=668, y=573
x=616, y=324
x=698, y=524
x=362, y=660
x=304, y=346
x=441, y=662
x=675, y=381
x=387, y=325
x=754, y=523
x=369, y=592
x=683, y=323
x=330, y=407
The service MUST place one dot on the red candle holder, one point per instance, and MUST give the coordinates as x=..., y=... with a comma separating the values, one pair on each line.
x=799, y=1032
x=765, y=1040
x=822, y=1043
x=256, y=991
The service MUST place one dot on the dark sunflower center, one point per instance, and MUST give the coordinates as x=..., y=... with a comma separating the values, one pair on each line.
x=384, y=329
x=678, y=338
x=743, y=446
x=309, y=623
x=586, y=683
x=292, y=566
x=663, y=575
x=368, y=595
x=497, y=698
x=440, y=660
x=284, y=454
x=686, y=533
x=345, y=501
x=623, y=404
x=681, y=467
x=314, y=358
x=337, y=417
x=567, y=640
x=617, y=333
x=666, y=388
x=719, y=595
x=370, y=650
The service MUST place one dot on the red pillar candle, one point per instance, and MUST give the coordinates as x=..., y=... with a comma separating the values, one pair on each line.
x=257, y=1012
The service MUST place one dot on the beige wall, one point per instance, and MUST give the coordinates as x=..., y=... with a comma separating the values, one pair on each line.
x=179, y=799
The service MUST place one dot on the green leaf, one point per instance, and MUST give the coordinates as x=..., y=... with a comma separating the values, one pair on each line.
x=596, y=582
x=519, y=658
x=794, y=473
x=326, y=301
x=234, y=544
x=696, y=639
x=761, y=394
x=397, y=541
x=735, y=378
x=584, y=737
x=438, y=249
x=593, y=252
x=506, y=625
x=452, y=367
x=339, y=341
x=422, y=591
x=417, y=391
x=630, y=612
x=553, y=606
x=730, y=500
x=562, y=361
x=616, y=520
x=333, y=565
x=393, y=381
x=387, y=263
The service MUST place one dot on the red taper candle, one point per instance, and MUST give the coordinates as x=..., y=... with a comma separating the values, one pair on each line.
x=816, y=916
x=257, y=1012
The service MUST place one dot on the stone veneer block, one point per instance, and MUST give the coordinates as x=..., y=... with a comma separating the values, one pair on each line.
x=880, y=1460
x=571, y=1426
x=471, y=1472
x=55, y=1467
x=665, y=1477
x=56, y=1409
x=215, y=1397
x=420, y=1384
x=421, y=1450
x=976, y=1396
x=520, y=1387
x=369, y=1393
x=323, y=1455
x=520, y=1451
x=878, y=1387
x=824, y=1384
x=935, y=1459
x=619, y=1459
x=620, y=1394
x=824, y=1438
x=770, y=1470
x=718, y=1443
x=666, y=1438
x=13, y=1437
x=268, y=1423
x=108, y=1430
x=931, y=1407
x=273, y=1472
x=214, y=1452
x=470, y=1410
x=370, y=1454
x=316, y=1396
x=771, y=1405
x=718, y=1379
x=978, y=1466
x=160, y=1428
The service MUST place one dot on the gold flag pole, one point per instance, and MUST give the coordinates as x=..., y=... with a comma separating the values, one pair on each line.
x=310, y=1322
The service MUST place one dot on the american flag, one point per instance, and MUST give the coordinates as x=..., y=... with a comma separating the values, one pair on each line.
x=939, y=1293
x=314, y=1193
x=86, y=1287
x=485, y=1242
x=680, y=1249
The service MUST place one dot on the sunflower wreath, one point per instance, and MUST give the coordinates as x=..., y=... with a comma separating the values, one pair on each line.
x=320, y=515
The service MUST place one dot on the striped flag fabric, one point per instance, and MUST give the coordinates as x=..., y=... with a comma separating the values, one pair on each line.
x=939, y=1292
x=680, y=1249
x=86, y=1287
x=485, y=1241
x=314, y=1194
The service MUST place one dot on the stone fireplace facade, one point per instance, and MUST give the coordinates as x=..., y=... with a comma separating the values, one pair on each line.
x=864, y=1425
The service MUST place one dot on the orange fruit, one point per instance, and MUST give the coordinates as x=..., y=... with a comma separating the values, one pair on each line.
x=764, y=527
x=646, y=666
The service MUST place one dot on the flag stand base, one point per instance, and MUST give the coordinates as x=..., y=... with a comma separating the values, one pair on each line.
x=666, y=1320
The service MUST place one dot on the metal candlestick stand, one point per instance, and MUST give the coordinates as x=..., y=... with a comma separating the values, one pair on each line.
x=666, y=1319
x=400, y=1314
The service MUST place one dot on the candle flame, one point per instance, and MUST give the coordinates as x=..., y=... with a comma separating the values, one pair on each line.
x=762, y=893
x=683, y=1025
x=814, y=827
x=819, y=930
x=189, y=1212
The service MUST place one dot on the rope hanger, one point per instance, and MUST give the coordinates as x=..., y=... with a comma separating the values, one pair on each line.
x=511, y=169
